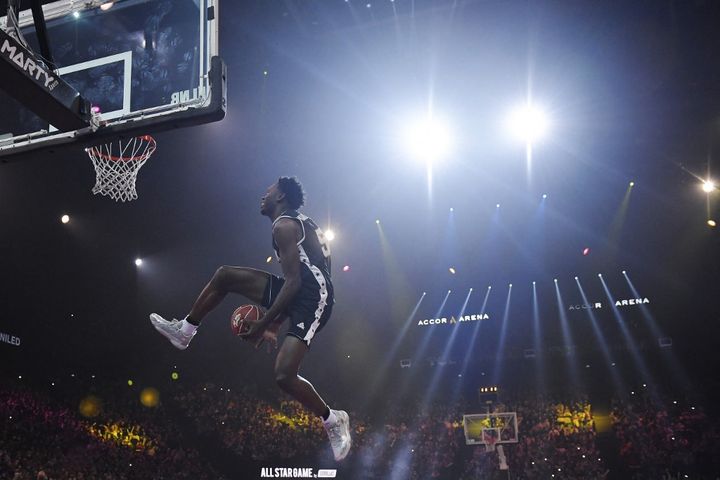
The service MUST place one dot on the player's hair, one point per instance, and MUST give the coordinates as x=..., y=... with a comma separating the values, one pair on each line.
x=293, y=190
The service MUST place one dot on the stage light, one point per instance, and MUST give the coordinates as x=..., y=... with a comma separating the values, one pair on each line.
x=65, y=218
x=452, y=270
x=138, y=261
x=632, y=184
x=130, y=383
x=377, y=222
x=555, y=280
x=623, y=272
x=544, y=196
x=533, y=283
x=174, y=375
x=76, y=14
x=586, y=251
x=428, y=139
x=106, y=6
x=268, y=259
x=346, y=268
x=527, y=123
x=451, y=209
x=330, y=235
x=708, y=186
x=711, y=223
x=497, y=205
x=576, y=278
x=600, y=275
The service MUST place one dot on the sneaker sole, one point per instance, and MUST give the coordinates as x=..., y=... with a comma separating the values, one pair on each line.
x=345, y=452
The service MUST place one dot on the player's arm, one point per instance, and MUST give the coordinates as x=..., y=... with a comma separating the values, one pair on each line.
x=286, y=233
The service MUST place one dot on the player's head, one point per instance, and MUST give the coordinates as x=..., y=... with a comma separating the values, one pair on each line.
x=286, y=194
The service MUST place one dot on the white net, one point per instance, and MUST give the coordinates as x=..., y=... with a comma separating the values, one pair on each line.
x=117, y=165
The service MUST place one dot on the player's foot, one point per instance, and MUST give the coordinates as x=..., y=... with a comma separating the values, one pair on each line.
x=172, y=330
x=339, y=435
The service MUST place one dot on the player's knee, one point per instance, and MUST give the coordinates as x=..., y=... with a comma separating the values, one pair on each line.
x=221, y=275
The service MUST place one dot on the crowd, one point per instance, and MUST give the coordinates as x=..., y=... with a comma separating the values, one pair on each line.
x=49, y=438
x=249, y=426
x=43, y=438
x=663, y=436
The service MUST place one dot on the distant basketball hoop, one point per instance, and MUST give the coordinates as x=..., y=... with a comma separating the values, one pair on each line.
x=117, y=165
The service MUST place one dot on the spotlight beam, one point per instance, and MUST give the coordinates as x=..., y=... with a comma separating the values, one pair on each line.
x=501, y=341
x=476, y=330
x=390, y=357
x=601, y=340
x=537, y=341
x=637, y=358
x=567, y=336
x=420, y=351
x=446, y=351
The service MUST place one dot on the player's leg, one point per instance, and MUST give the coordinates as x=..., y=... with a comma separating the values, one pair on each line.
x=287, y=365
x=248, y=282
x=336, y=422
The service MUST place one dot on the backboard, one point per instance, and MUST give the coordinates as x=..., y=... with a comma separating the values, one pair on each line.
x=498, y=427
x=143, y=65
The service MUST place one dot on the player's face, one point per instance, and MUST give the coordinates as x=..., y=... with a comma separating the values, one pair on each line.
x=269, y=200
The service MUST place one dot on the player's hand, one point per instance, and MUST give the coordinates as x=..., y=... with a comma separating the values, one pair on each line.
x=269, y=337
x=262, y=332
x=255, y=330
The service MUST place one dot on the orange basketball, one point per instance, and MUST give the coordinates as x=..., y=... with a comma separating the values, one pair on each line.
x=241, y=316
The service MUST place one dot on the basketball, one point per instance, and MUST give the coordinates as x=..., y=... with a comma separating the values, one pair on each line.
x=241, y=316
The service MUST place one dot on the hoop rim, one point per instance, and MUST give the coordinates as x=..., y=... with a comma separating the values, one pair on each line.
x=152, y=144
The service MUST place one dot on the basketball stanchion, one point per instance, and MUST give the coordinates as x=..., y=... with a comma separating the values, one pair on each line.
x=117, y=165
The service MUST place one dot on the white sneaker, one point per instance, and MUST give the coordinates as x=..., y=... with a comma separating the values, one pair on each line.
x=339, y=435
x=172, y=330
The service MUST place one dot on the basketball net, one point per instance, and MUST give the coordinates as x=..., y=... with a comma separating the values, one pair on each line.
x=490, y=445
x=490, y=440
x=117, y=165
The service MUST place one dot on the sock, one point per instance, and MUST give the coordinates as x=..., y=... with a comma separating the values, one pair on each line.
x=192, y=321
x=187, y=328
x=331, y=418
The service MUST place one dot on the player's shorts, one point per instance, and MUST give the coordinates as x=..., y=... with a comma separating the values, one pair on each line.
x=310, y=309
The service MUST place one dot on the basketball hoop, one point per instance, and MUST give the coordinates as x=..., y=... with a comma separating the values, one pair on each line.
x=117, y=165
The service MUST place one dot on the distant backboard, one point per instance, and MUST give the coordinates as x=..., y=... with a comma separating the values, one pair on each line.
x=495, y=428
x=144, y=66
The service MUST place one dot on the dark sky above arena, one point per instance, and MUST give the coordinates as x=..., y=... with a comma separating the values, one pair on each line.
x=321, y=89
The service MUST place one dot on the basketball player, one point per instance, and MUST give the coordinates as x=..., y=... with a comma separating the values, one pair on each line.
x=304, y=295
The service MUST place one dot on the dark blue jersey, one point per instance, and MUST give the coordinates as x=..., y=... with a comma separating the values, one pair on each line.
x=313, y=248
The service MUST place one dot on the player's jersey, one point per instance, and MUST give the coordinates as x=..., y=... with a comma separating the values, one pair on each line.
x=314, y=251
